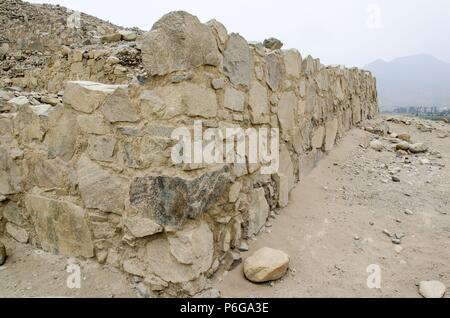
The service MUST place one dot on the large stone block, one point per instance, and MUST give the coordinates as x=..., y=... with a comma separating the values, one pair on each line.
x=29, y=126
x=150, y=103
x=87, y=96
x=286, y=166
x=10, y=174
x=356, y=109
x=188, y=99
x=234, y=100
x=119, y=108
x=45, y=173
x=318, y=137
x=93, y=124
x=17, y=233
x=101, y=148
x=266, y=265
x=323, y=80
x=287, y=110
x=220, y=32
x=258, y=211
x=331, y=128
x=292, y=62
x=282, y=183
x=182, y=256
x=142, y=227
x=6, y=128
x=177, y=42
x=237, y=62
x=274, y=71
x=170, y=200
x=200, y=101
x=13, y=213
x=99, y=188
x=62, y=134
x=259, y=104
x=60, y=226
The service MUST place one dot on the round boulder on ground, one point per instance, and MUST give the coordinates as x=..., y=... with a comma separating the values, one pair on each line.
x=432, y=289
x=266, y=265
x=418, y=148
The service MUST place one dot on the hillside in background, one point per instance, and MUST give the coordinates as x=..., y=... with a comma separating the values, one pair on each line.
x=417, y=80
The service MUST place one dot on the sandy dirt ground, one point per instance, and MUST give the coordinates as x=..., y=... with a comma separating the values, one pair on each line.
x=30, y=272
x=333, y=226
x=332, y=229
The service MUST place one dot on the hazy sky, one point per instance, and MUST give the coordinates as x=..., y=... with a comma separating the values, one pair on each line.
x=350, y=32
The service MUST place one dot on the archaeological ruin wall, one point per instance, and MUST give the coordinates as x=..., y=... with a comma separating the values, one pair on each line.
x=93, y=177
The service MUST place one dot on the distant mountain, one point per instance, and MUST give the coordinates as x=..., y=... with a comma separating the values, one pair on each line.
x=417, y=80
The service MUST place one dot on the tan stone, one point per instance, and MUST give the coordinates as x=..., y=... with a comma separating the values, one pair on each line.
x=237, y=62
x=151, y=103
x=177, y=42
x=418, y=148
x=17, y=233
x=331, y=128
x=432, y=289
x=199, y=101
x=188, y=99
x=220, y=31
x=13, y=213
x=283, y=189
x=405, y=137
x=258, y=102
x=266, y=265
x=60, y=226
x=99, y=188
x=183, y=256
x=112, y=37
x=93, y=124
x=128, y=35
x=10, y=176
x=101, y=148
x=234, y=99
x=119, y=108
x=258, y=211
x=62, y=134
x=286, y=166
x=287, y=112
x=18, y=102
x=45, y=173
x=292, y=62
x=134, y=267
x=87, y=96
x=142, y=227
x=274, y=70
x=29, y=126
x=318, y=137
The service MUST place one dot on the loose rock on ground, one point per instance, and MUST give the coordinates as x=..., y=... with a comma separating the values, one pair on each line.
x=266, y=265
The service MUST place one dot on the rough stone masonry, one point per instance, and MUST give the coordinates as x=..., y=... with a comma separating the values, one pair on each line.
x=91, y=175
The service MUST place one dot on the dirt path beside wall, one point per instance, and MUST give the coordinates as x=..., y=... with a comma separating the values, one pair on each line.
x=333, y=226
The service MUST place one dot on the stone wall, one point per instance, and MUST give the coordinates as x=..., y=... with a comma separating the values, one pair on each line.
x=42, y=46
x=93, y=177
